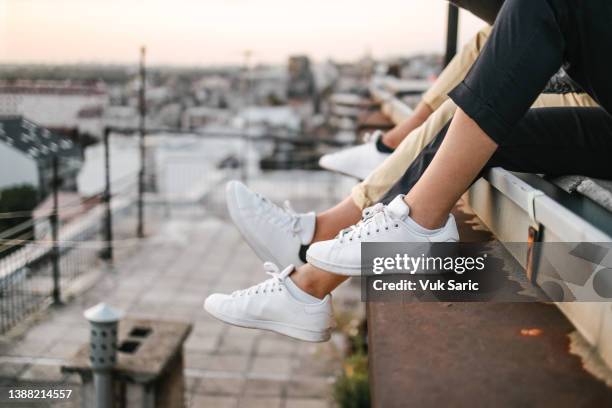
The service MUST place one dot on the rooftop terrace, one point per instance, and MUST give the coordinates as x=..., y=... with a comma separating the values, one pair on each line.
x=189, y=252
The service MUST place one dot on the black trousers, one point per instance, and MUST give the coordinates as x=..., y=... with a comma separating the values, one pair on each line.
x=547, y=141
x=530, y=41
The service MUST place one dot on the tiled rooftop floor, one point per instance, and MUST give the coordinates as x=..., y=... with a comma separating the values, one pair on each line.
x=188, y=255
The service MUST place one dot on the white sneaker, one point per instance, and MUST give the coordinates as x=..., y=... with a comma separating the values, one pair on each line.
x=358, y=161
x=270, y=306
x=275, y=234
x=381, y=223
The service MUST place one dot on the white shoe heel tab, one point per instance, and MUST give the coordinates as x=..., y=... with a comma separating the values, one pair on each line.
x=231, y=185
x=398, y=207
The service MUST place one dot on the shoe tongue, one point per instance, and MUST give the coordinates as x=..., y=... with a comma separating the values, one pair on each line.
x=398, y=207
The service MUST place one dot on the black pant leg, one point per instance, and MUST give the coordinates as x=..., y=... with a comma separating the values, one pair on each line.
x=551, y=141
x=559, y=141
x=417, y=168
x=525, y=49
x=589, y=41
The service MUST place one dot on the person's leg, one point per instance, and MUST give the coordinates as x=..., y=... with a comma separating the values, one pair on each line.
x=394, y=137
x=539, y=150
x=373, y=188
x=461, y=157
x=329, y=222
x=369, y=192
x=559, y=141
x=524, y=50
x=417, y=166
x=315, y=281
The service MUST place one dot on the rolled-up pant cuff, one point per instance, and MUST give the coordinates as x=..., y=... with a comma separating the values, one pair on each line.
x=480, y=112
x=359, y=196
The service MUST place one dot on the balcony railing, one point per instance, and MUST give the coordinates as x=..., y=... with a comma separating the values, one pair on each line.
x=184, y=170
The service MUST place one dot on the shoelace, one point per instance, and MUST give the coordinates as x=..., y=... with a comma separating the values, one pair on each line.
x=373, y=219
x=365, y=214
x=269, y=285
x=370, y=211
x=286, y=213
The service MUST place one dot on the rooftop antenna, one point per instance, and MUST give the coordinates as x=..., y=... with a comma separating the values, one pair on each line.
x=141, y=132
x=246, y=87
x=247, y=77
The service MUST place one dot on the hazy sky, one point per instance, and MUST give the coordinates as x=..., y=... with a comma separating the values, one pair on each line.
x=218, y=31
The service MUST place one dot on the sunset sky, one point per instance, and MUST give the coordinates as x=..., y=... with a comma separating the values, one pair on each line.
x=200, y=32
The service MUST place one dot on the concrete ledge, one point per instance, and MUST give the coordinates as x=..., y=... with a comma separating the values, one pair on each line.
x=439, y=354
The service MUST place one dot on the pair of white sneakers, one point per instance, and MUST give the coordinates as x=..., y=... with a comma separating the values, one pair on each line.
x=278, y=234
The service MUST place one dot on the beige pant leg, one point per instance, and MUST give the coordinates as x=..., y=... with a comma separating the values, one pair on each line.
x=393, y=168
x=582, y=100
x=456, y=70
x=376, y=185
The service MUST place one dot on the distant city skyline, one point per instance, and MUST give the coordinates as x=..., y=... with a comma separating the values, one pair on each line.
x=211, y=32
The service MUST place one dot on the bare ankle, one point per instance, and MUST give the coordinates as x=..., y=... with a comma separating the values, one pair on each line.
x=307, y=285
x=330, y=222
x=314, y=281
x=424, y=216
x=321, y=233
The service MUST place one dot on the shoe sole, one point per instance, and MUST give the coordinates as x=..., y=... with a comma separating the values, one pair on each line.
x=336, y=269
x=289, y=331
x=328, y=168
x=234, y=213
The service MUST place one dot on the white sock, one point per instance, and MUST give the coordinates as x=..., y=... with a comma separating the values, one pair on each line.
x=298, y=293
